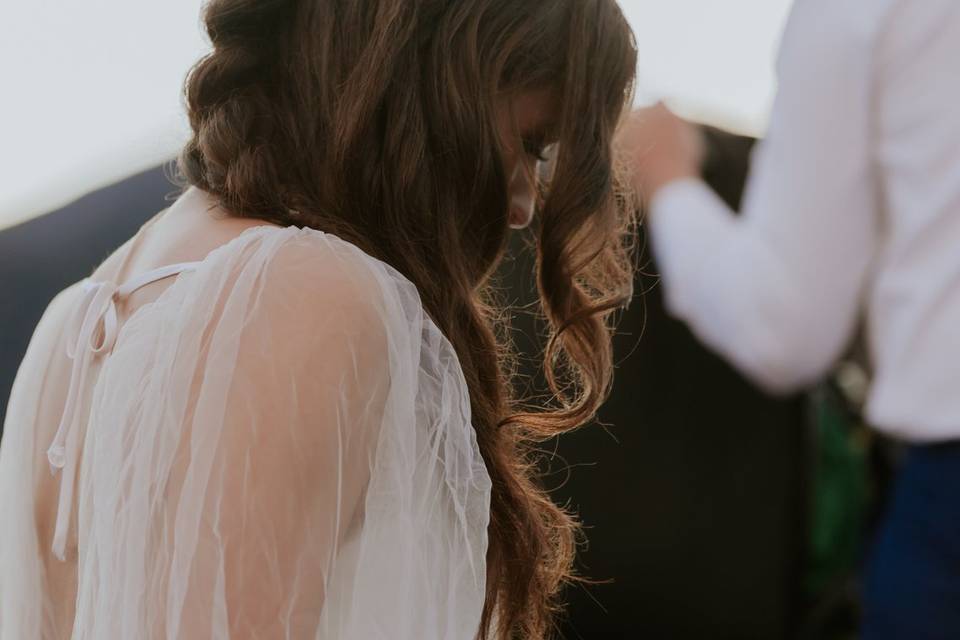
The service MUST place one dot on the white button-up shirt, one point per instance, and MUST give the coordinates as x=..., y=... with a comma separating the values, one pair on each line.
x=852, y=210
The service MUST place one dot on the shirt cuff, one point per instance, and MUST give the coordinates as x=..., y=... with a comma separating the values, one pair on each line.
x=688, y=223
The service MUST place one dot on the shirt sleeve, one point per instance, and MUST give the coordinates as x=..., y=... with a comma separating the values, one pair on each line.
x=334, y=487
x=304, y=380
x=777, y=290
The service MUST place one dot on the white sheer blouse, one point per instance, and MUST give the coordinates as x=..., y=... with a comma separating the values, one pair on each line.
x=278, y=447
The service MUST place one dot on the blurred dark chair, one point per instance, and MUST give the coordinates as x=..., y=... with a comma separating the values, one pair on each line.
x=44, y=255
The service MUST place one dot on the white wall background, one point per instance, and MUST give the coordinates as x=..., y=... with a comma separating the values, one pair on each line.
x=90, y=90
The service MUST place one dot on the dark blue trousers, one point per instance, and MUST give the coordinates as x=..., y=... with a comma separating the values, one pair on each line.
x=912, y=587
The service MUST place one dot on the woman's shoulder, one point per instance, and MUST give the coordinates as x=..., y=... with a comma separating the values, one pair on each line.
x=291, y=259
x=319, y=267
x=309, y=287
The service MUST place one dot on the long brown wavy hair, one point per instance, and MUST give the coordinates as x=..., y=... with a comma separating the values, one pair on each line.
x=375, y=120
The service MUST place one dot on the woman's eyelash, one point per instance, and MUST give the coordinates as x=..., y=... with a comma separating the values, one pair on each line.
x=536, y=149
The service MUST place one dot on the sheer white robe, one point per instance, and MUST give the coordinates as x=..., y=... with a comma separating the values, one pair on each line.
x=278, y=447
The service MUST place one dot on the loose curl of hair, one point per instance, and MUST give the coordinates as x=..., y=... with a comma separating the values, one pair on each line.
x=375, y=120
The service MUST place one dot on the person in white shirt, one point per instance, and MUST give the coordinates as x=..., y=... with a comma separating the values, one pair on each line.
x=851, y=216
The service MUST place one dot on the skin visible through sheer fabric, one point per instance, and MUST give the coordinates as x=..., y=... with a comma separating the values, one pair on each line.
x=278, y=446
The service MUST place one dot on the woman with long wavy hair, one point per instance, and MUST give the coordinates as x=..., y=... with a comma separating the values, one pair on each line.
x=284, y=408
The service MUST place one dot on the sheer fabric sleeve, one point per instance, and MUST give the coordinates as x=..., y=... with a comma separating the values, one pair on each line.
x=298, y=427
x=31, y=583
x=304, y=465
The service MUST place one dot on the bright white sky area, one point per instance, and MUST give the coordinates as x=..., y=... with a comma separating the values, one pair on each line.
x=91, y=90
